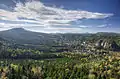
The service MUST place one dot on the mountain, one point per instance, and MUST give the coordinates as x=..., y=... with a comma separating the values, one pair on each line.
x=22, y=36
x=25, y=37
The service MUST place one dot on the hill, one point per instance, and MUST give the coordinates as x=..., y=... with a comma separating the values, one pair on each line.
x=22, y=36
x=68, y=41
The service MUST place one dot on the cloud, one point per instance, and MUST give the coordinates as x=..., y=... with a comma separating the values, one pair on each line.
x=41, y=15
x=103, y=25
x=5, y=7
x=57, y=30
x=84, y=26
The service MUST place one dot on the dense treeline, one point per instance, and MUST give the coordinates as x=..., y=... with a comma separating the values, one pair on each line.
x=71, y=66
x=26, y=54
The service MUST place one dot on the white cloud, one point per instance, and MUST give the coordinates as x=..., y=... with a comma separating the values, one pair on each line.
x=45, y=16
x=18, y=25
x=57, y=30
x=84, y=26
x=101, y=26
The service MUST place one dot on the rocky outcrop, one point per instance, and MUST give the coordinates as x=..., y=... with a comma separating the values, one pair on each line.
x=107, y=44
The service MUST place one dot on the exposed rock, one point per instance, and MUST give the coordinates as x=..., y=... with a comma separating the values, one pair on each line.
x=107, y=44
x=99, y=44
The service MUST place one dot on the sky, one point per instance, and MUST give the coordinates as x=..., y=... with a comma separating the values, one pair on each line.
x=61, y=16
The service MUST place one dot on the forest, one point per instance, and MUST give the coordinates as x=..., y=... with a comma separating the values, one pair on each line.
x=74, y=56
x=66, y=65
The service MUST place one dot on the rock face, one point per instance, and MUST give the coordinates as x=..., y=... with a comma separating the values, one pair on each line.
x=107, y=44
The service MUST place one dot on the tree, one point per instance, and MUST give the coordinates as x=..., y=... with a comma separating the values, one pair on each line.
x=0, y=46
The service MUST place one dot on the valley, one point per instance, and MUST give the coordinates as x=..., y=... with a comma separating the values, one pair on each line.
x=30, y=55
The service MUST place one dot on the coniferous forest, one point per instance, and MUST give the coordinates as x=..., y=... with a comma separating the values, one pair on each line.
x=68, y=56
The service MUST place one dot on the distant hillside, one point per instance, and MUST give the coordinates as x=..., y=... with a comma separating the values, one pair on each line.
x=1, y=39
x=69, y=40
x=22, y=36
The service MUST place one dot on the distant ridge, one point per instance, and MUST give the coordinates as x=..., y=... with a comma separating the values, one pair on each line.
x=22, y=29
x=23, y=36
x=15, y=29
